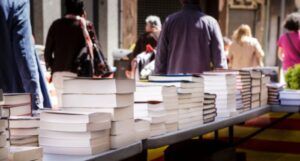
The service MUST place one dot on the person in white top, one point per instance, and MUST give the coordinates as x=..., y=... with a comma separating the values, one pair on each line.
x=245, y=51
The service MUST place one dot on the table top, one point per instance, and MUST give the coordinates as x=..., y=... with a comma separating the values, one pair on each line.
x=181, y=135
x=289, y=109
x=112, y=155
x=174, y=137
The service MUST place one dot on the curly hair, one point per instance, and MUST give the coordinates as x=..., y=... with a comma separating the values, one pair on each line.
x=292, y=22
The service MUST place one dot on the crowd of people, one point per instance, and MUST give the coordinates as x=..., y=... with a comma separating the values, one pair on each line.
x=188, y=42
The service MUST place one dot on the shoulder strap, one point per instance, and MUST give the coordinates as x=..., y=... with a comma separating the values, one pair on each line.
x=292, y=44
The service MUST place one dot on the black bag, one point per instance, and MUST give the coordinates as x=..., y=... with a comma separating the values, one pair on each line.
x=88, y=66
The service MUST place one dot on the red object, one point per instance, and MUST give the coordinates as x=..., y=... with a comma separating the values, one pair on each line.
x=149, y=48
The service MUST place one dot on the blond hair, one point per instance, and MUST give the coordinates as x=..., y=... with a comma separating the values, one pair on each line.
x=241, y=32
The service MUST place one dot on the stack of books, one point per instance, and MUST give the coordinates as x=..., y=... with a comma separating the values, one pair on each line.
x=191, y=98
x=243, y=84
x=3, y=136
x=159, y=103
x=74, y=133
x=17, y=105
x=256, y=77
x=190, y=91
x=112, y=96
x=154, y=113
x=290, y=97
x=23, y=131
x=142, y=129
x=265, y=80
x=222, y=84
x=209, y=110
x=273, y=93
x=25, y=154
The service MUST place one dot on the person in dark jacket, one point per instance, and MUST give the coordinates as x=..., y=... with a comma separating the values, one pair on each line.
x=190, y=43
x=18, y=63
x=64, y=43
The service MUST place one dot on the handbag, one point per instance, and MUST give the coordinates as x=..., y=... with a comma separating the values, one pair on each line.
x=90, y=62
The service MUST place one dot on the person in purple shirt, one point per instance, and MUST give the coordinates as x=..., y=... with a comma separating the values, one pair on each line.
x=190, y=42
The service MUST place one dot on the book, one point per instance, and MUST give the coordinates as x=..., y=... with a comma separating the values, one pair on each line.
x=99, y=86
x=189, y=90
x=75, y=127
x=256, y=82
x=72, y=135
x=254, y=72
x=117, y=114
x=74, y=117
x=155, y=93
x=157, y=129
x=22, y=132
x=17, y=105
x=118, y=141
x=23, y=140
x=3, y=125
x=78, y=143
x=3, y=140
x=142, y=129
x=90, y=101
x=176, y=84
x=171, y=127
x=23, y=122
x=256, y=90
x=122, y=127
x=16, y=99
x=77, y=150
x=290, y=102
x=175, y=78
x=255, y=104
x=290, y=95
x=255, y=97
x=25, y=153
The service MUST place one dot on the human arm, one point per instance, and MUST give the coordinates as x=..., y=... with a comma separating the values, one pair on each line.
x=280, y=54
x=259, y=53
x=161, y=58
x=217, y=46
x=23, y=49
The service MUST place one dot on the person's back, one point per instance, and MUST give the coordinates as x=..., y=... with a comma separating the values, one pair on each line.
x=190, y=42
x=246, y=54
x=245, y=51
x=289, y=43
x=64, y=42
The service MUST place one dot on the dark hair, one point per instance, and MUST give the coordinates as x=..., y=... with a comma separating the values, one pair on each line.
x=189, y=1
x=75, y=7
x=292, y=22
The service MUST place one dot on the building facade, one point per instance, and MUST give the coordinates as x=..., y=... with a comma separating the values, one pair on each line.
x=119, y=22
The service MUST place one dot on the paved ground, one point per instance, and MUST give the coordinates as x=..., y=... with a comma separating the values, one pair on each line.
x=280, y=143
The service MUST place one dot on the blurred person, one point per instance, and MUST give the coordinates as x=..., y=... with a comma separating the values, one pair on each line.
x=149, y=38
x=245, y=51
x=227, y=44
x=289, y=43
x=190, y=42
x=65, y=41
x=18, y=64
